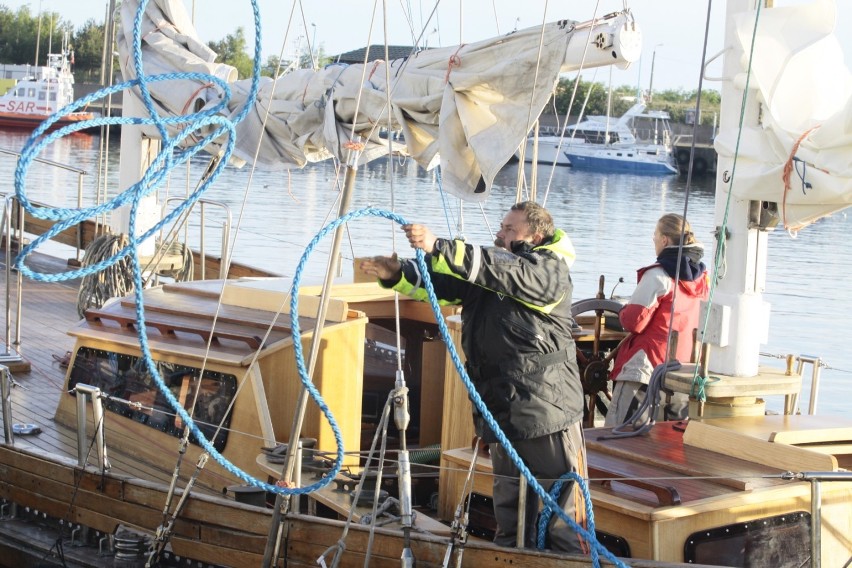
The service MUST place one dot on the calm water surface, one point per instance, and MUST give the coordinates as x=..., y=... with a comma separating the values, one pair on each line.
x=610, y=219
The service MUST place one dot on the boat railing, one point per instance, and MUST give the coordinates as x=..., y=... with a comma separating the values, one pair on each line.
x=6, y=393
x=84, y=393
x=182, y=225
x=653, y=136
x=79, y=246
x=8, y=356
x=816, y=372
x=13, y=210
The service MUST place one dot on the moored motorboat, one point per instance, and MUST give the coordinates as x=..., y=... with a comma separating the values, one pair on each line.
x=39, y=96
x=638, y=142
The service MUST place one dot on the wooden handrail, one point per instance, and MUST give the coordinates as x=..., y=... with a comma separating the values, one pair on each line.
x=666, y=494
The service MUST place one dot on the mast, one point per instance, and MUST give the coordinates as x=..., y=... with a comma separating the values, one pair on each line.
x=736, y=323
x=137, y=154
x=38, y=35
x=739, y=317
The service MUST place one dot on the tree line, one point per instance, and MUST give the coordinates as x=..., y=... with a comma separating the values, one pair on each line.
x=597, y=99
x=24, y=34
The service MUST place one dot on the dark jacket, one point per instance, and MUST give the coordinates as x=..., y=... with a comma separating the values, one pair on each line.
x=516, y=329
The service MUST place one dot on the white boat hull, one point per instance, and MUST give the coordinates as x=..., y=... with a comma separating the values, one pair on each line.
x=550, y=151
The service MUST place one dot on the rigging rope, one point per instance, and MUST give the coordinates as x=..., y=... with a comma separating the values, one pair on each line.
x=112, y=282
x=115, y=281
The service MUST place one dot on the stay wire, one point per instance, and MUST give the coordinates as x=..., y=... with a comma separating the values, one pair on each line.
x=574, y=92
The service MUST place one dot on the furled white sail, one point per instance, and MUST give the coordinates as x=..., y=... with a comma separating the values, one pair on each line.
x=468, y=107
x=806, y=125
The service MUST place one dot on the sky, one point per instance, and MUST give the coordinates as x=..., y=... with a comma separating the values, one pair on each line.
x=673, y=30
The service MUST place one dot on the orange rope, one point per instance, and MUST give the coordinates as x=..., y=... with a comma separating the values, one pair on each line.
x=352, y=145
x=788, y=169
x=376, y=64
x=453, y=61
x=193, y=95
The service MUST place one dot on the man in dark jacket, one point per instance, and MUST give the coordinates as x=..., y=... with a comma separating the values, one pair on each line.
x=516, y=337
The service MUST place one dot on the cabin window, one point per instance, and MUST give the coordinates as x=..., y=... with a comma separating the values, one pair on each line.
x=42, y=95
x=126, y=380
x=53, y=96
x=615, y=544
x=596, y=136
x=782, y=541
x=31, y=92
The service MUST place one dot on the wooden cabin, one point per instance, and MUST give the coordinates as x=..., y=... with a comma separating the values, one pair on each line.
x=249, y=372
x=248, y=362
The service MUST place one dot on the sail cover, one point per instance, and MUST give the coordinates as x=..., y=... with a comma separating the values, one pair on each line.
x=467, y=108
x=798, y=156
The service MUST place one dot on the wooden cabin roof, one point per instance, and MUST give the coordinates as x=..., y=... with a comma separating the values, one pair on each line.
x=182, y=318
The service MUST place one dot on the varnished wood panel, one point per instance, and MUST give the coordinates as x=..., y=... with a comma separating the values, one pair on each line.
x=730, y=442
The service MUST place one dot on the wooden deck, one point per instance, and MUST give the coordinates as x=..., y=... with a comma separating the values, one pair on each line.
x=48, y=311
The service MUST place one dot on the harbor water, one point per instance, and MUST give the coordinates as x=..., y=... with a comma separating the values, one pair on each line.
x=610, y=219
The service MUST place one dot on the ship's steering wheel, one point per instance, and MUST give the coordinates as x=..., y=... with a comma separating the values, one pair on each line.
x=594, y=363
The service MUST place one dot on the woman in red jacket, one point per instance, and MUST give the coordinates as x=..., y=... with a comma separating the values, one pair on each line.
x=649, y=315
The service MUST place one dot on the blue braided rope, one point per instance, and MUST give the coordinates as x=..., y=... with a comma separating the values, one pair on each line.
x=589, y=536
x=547, y=512
x=167, y=159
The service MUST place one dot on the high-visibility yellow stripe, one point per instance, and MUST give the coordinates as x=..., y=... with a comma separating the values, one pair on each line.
x=458, y=260
x=543, y=309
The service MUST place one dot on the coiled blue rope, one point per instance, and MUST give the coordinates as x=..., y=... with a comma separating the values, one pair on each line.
x=168, y=158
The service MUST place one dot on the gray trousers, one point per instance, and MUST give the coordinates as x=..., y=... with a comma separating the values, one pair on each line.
x=547, y=458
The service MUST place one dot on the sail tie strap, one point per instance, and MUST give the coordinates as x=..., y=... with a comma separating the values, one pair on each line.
x=788, y=170
x=453, y=61
x=373, y=69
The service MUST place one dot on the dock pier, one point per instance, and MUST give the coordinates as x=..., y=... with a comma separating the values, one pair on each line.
x=704, y=162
